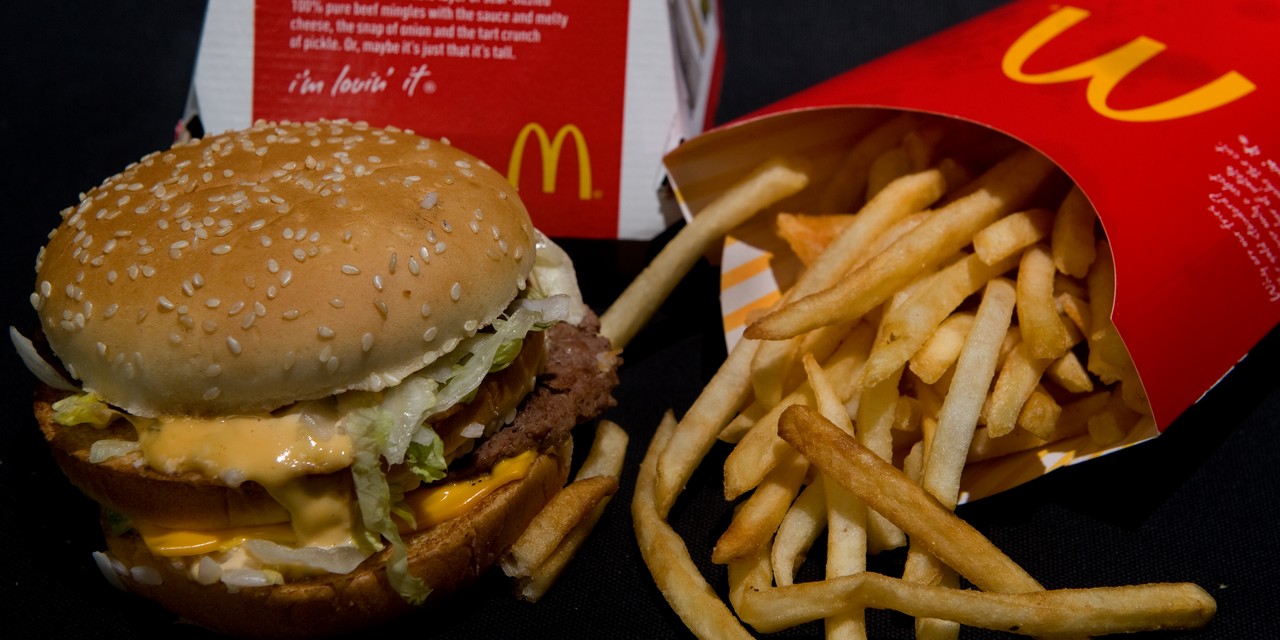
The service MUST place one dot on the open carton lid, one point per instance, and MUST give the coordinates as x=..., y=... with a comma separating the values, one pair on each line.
x=1162, y=115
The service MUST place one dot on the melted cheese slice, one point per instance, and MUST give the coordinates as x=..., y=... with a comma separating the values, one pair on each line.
x=278, y=452
x=430, y=505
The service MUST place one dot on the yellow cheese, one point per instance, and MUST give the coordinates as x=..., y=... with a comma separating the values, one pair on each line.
x=430, y=505
x=171, y=543
x=434, y=504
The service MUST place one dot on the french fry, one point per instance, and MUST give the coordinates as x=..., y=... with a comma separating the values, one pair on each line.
x=808, y=235
x=1113, y=422
x=1001, y=189
x=886, y=489
x=1071, y=422
x=1039, y=413
x=724, y=394
x=1011, y=234
x=908, y=326
x=877, y=408
x=664, y=552
x=847, y=191
x=847, y=535
x=881, y=218
x=1018, y=377
x=1057, y=613
x=1043, y=332
x=772, y=181
x=760, y=449
x=1069, y=373
x=804, y=522
x=1073, y=235
x=604, y=460
x=957, y=421
x=553, y=523
x=940, y=351
x=887, y=167
x=758, y=517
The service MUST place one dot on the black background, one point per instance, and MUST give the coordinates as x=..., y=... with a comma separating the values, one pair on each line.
x=86, y=87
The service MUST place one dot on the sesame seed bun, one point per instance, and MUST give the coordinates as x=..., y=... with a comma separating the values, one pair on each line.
x=250, y=270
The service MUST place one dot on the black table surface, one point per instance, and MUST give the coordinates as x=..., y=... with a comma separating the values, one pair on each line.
x=91, y=86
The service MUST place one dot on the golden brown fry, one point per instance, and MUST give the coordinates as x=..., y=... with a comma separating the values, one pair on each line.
x=758, y=517
x=1057, y=613
x=1038, y=320
x=940, y=351
x=908, y=326
x=1111, y=424
x=1071, y=422
x=674, y=572
x=1073, y=235
x=887, y=167
x=724, y=394
x=550, y=526
x=877, y=408
x=769, y=183
x=1011, y=234
x=1039, y=413
x=1069, y=373
x=532, y=587
x=847, y=189
x=607, y=452
x=805, y=520
x=809, y=235
x=886, y=489
x=1018, y=377
x=1002, y=189
x=760, y=449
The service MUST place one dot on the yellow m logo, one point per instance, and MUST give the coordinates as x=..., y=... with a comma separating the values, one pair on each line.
x=1105, y=72
x=550, y=149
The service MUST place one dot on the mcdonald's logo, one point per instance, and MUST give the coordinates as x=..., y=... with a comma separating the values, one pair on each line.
x=1106, y=71
x=550, y=149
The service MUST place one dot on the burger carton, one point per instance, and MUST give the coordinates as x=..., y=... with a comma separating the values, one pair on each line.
x=1162, y=113
x=574, y=100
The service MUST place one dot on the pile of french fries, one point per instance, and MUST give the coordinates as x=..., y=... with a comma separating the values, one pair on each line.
x=953, y=307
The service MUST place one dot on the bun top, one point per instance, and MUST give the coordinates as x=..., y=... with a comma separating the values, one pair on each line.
x=290, y=261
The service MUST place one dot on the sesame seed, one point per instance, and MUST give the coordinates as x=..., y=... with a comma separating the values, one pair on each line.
x=455, y=291
x=324, y=332
x=248, y=321
x=212, y=303
x=429, y=200
x=175, y=338
x=291, y=314
x=325, y=354
x=286, y=277
x=221, y=250
x=377, y=282
x=265, y=240
x=426, y=310
x=213, y=370
x=429, y=334
x=413, y=265
x=212, y=393
x=299, y=255
x=235, y=308
x=382, y=306
x=366, y=341
x=470, y=326
x=165, y=303
x=351, y=270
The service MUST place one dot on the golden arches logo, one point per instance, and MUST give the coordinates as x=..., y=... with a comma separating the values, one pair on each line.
x=550, y=149
x=1106, y=71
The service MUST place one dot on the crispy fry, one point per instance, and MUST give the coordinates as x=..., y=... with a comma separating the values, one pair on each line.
x=1039, y=413
x=1043, y=332
x=772, y=181
x=1011, y=234
x=847, y=191
x=1069, y=373
x=668, y=559
x=758, y=517
x=908, y=326
x=1073, y=235
x=887, y=167
x=1061, y=612
x=760, y=449
x=724, y=394
x=1002, y=189
x=804, y=522
x=886, y=489
x=940, y=351
x=808, y=235
x=549, y=527
x=1018, y=378
x=607, y=452
x=1071, y=422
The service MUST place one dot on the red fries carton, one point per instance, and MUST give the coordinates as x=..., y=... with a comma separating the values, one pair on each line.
x=574, y=100
x=1162, y=113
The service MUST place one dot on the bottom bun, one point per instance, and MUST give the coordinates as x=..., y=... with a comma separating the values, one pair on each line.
x=446, y=556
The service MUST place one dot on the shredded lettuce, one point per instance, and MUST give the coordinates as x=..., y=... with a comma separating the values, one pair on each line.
x=371, y=429
x=553, y=275
x=84, y=408
x=425, y=457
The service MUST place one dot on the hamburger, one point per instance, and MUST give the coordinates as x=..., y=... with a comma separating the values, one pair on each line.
x=314, y=373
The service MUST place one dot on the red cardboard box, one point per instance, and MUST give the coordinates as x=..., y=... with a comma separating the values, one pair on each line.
x=574, y=100
x=1163, y=113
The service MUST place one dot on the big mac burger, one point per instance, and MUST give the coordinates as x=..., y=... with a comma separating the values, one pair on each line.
x=314, y=373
